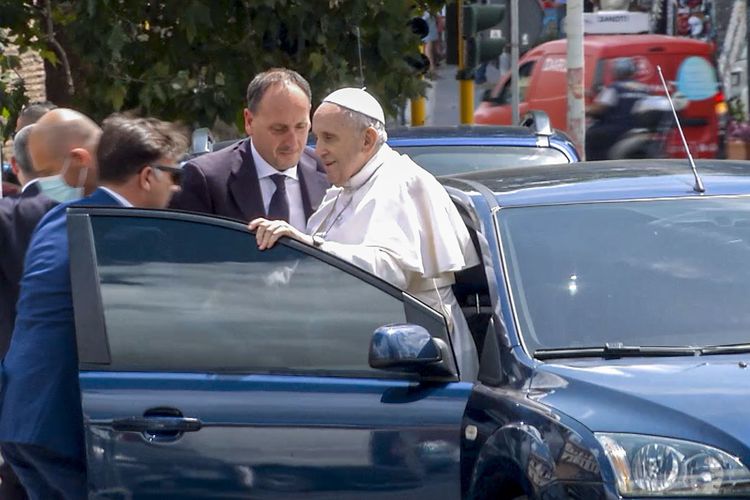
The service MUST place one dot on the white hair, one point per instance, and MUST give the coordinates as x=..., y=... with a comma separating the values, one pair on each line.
x=21, y=151
x=363, y=122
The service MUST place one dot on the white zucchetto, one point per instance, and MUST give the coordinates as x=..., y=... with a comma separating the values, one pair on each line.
x=357, y=100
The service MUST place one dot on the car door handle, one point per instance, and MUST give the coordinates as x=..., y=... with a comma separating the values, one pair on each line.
x=157, y=424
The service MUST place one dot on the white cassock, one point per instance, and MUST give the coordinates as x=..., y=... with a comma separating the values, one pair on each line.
x=395, y=220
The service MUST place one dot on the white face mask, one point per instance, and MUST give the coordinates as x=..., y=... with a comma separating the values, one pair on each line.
x=55, y=187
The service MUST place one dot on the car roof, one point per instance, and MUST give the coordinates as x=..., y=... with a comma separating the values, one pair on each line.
x=535, y=132
x=466, y=131
x=627, y=44
x=607, y=180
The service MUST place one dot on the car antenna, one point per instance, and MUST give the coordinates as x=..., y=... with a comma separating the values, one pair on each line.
x=359, y=54
x=698, y=187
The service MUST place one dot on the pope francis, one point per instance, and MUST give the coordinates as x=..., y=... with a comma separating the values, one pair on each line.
x=384, y=214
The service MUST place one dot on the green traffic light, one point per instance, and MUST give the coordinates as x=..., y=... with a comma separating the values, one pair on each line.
x=481, y=17
x=480, y=47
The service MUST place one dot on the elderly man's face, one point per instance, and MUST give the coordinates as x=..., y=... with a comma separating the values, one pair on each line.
x=340, y=146
x=280, y=125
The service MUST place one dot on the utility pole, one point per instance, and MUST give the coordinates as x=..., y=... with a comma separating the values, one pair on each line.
x=514, y=61
x=747, y=58
x=576, y=103
x=465, y=76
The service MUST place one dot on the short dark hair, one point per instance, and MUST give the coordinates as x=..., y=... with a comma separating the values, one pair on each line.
x=127, y=144
x=35, y=110
x=263, y=81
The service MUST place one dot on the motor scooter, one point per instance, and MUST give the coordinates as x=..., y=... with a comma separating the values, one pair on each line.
x=655, y=124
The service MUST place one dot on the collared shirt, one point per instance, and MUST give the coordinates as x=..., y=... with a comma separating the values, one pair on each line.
x=117, y=196
x=32, y=181
x=268, y=188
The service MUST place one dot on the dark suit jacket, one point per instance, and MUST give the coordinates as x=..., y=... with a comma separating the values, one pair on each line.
x=19, y=216
x=225, y=183
x=40, y=402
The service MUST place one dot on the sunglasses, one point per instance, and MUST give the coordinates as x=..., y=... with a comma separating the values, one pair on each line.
x=173, y=171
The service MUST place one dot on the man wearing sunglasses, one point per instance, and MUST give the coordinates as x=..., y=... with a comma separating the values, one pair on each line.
x=41, y=422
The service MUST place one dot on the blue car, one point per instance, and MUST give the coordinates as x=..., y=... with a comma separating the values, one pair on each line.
x=610, y=312
x=464, y=149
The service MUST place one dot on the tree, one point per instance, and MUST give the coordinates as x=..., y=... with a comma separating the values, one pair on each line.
x=191, y=60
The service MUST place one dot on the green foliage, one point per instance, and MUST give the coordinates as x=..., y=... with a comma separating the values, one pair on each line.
x=737, y=110
x=192, y=59
x=14, y=26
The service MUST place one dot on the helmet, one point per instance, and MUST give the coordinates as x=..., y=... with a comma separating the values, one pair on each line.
x=623, y=68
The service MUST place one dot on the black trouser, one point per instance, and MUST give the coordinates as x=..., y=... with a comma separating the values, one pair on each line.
x=10, y=486
x=600, y=137
x=45, y=474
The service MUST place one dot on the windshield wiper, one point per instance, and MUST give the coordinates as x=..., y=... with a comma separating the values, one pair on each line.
x=615, y=350
x=725, y=349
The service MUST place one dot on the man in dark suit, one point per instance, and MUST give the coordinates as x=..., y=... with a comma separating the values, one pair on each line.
x=271, y=174
x=19, y=216
x=41, y=422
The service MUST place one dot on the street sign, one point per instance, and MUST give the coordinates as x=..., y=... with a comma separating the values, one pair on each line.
x=615, y=21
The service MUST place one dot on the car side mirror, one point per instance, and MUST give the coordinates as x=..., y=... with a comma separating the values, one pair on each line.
x=408, y=348
x=202, y=141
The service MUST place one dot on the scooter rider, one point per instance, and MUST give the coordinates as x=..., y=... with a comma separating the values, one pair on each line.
x=612, y=107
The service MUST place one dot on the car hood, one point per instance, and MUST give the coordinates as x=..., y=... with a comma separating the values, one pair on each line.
x=706, y=398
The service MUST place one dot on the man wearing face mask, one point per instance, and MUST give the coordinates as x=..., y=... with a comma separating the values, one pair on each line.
x=41, y=152
x=41, y=422
x=63, y=148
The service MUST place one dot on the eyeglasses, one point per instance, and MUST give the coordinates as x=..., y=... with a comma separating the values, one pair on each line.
x=174, y=171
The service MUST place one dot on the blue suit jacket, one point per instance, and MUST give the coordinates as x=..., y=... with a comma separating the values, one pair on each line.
x=41, y=402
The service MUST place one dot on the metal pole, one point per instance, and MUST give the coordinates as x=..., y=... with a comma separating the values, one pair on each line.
x=747, y=59
x=576, y=103
x=514, y=61
x=419, y=104
x=670, y=17
x=465, y=80
x=418, y=111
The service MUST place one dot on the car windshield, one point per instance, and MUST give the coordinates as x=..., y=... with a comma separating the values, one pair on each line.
x=645, y=273
x=446, y=160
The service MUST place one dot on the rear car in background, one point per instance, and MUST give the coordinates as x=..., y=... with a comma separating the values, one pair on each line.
x=463, y=149
x=688, y=66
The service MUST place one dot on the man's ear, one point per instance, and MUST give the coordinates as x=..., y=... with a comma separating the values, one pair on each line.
x=371, y=137
x=14, y=166
x=248, y=121
x=144, y=178
x=80, y=157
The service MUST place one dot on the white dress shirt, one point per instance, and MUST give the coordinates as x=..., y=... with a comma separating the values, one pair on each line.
x=31, y=182
x=293, y=188
x=396, y=221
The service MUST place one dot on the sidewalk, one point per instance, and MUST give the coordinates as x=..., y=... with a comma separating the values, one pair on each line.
x=442, y=96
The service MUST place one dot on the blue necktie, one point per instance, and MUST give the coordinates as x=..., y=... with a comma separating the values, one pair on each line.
x=278, y=209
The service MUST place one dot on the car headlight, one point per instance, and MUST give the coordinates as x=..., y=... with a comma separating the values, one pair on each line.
x=656, y=466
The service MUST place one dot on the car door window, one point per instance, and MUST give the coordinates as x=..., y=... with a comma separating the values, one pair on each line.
x=186, y=296
x=524, y=79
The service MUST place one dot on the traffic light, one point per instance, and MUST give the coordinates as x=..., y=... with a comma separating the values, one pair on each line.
x=451, y=33
x=482, y=44
x=418, y=62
